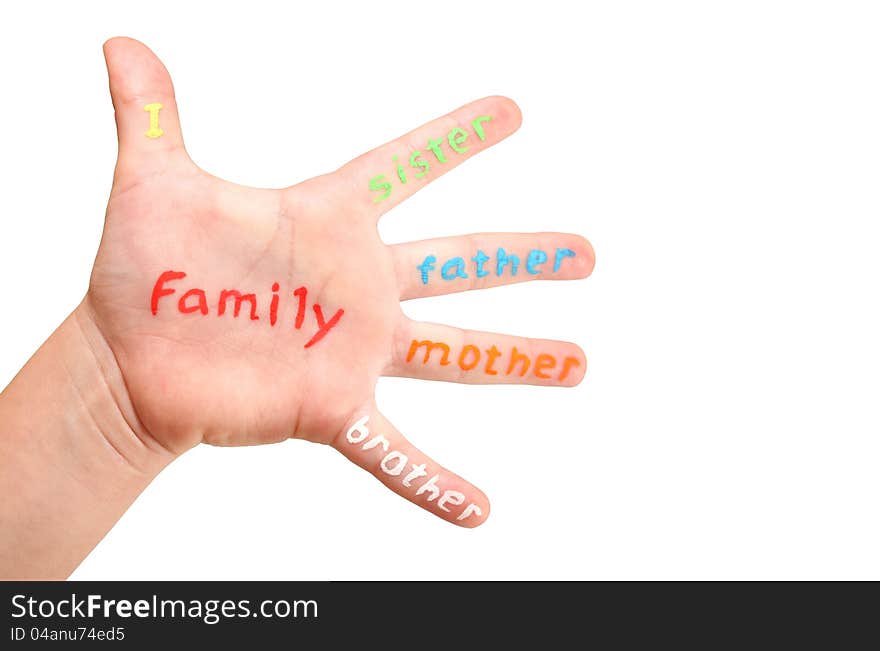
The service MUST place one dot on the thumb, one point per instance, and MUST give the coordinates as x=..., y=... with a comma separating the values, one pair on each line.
x=147, y=123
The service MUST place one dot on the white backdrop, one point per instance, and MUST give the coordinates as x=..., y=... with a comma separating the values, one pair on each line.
x=723, y=158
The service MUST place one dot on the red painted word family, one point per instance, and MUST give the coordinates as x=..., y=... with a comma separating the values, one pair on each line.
x=229, y=303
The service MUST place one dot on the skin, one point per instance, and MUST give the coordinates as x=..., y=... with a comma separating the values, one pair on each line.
x=117, y=393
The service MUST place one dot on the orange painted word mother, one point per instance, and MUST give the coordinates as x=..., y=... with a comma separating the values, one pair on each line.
x=494, y=361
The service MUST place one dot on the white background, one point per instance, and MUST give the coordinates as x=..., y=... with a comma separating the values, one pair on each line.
x=722, y=157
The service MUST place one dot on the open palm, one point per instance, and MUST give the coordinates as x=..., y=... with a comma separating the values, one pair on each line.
x=233, y=323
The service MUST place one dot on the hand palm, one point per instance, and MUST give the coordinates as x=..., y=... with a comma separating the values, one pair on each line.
x=209, y=375
x=231, y=380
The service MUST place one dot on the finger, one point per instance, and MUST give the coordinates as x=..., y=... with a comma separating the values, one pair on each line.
x=382, y=178
x=375, y=445
x=429, y=351
x=457, y=264
x=147, y=123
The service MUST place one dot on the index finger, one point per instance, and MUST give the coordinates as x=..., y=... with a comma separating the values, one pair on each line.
x=387, y=175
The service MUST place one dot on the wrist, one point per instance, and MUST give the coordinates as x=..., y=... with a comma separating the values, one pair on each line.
x=98, y=383
x=73, y=454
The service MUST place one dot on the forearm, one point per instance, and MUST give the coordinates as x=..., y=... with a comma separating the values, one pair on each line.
x=73, y=456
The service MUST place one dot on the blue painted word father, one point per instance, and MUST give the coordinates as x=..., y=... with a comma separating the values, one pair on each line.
x=483, y=265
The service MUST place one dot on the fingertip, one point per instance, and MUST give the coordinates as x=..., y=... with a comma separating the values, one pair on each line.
x=507, y=112
x=576, y=363
x=135, y=71
x=591, y=255
x=119, y=47
x=473, y=523
x=110, y=44
x=110, y=48
x=471, y=508
x=480, y=508
x=118, y=41
x=586, y=261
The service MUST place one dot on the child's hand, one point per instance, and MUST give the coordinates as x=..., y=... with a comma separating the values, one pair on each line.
x=240, y=316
